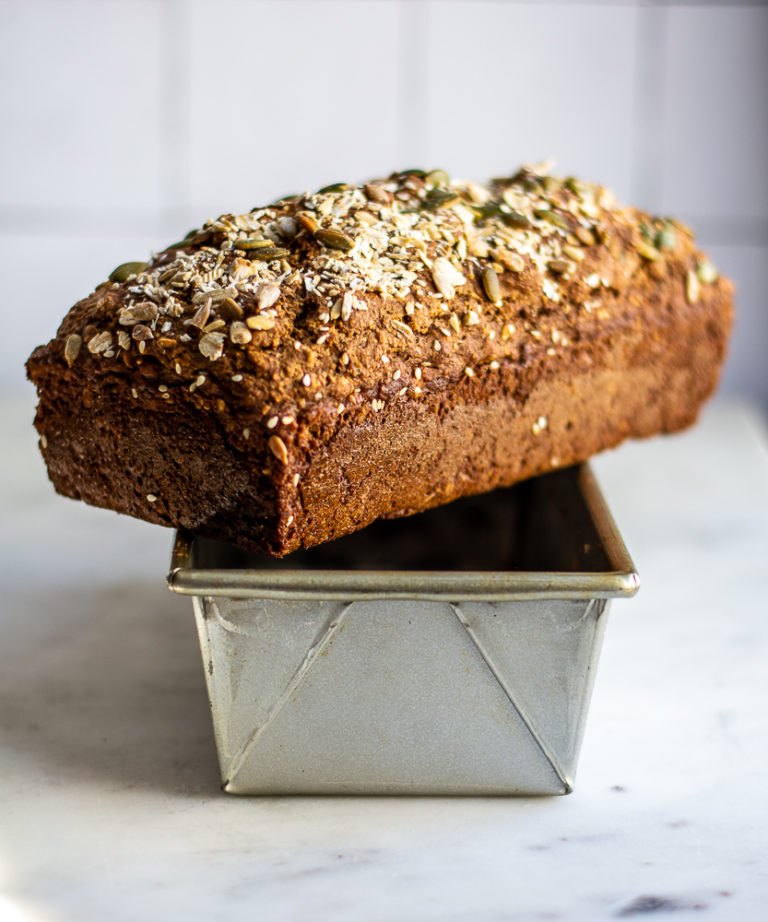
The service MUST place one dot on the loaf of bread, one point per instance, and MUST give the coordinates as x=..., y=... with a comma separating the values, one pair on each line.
x=285, y=376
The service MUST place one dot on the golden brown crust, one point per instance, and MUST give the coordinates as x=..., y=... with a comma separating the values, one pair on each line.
x=401, y=344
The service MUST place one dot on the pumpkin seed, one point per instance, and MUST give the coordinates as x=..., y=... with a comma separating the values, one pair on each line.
x=666, y=238
x=438, y=178
x=333, y=187
x=491, y=285
x=706, y=272
x=125, y=270
x=554, y=217
x=647, y=251
x=72, y=348
x=335, y=239
x=265, y=254
x=515, y=219
x=573, y=184
x=487, y=210
x=230, y=309
x=440, y=198
x=253, y=243
x=420, y=174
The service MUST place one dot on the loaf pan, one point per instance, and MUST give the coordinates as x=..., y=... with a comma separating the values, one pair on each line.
x=451, y=652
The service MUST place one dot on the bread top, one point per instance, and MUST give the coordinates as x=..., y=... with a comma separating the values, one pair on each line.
x=354, y=296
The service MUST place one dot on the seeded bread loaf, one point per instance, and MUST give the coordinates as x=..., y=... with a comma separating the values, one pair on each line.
x=286, y=376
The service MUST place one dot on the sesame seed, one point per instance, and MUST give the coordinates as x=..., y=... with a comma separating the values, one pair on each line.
x=151, y=498
x=306, y=380
x=246, y=433
x=296, y=479
x=272, y=422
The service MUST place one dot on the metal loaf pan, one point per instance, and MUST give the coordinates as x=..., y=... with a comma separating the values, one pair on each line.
x=452, y=652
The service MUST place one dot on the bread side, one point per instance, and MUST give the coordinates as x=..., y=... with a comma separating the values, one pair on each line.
x=286, y=376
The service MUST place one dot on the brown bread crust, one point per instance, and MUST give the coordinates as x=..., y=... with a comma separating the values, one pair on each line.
x=402, y=344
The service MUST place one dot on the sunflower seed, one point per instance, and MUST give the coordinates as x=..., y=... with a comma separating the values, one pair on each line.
x=471, y=318
x=267, y=294
x=138, y=313
x=491, y=285
x=141, y=333
x=261, y=322
x=561, y=266
x=585, y=235
x=692, y=287
x=125, y=270
x=446, y=276
x=239, y=333
x=335, y=239
x=101, y=342
x=308, y=221
x=403, y=328
x=511, y=260
x=201, y=315
x=378, y=194
x=211, y=345
x=72, y=348
x=278, y=449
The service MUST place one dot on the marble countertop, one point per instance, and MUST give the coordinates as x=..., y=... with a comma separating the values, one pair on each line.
x=110, y=805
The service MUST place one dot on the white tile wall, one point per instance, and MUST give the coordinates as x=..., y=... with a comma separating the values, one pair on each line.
x=289, y=96
x=511, y=82
x=80, y=107
x=715, y=151
x=125, y=122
